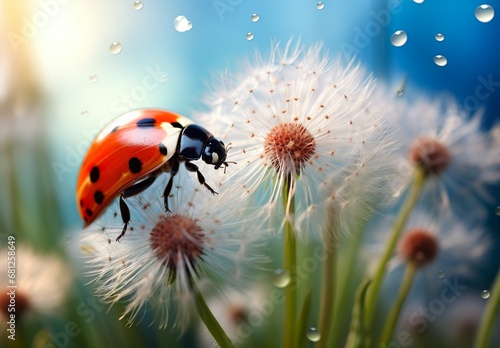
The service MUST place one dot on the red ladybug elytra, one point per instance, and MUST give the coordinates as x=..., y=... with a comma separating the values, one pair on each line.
x=128, y=155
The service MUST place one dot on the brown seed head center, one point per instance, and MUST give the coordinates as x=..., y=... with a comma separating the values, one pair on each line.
x=289, y=146
x=238, y=314
x=419, y=246
x=431, y=155
x=22, y=304
x=177, y=239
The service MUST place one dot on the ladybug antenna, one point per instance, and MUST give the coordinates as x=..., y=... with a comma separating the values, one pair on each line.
x=226, y=164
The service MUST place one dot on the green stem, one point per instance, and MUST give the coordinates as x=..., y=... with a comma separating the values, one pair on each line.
x=303, y=319
x=392, y=319
x=209, y=320
x=347, y=276
x=356, y=337
x=326, y=323
x=404, y=213
x=290, y=246
x=489, y=317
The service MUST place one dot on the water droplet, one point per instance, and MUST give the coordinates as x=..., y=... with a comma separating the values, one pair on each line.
x=497, y=211
x=281, y=278
x=440, y=60
x=84, y=113
x=400, y=92
x=418, y=1
x=249, y=36
x=182, y=24
x=399, y=38
x=313, y=334
x=138, y=5
x=255, y=17
x=320, y=5
x=485, y=13
x=115, y=47
x=485, y=295
x=441, y=274
x=439, y=37
x=93, y=78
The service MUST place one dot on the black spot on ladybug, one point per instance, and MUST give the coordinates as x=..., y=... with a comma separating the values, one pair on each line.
x=94, y=174
x=146, y=123
x=176, y=125
x=163, y=149
x=98, y=197
x=135, y=165
x=88, y=212
x=81, y=203
x=115, y=129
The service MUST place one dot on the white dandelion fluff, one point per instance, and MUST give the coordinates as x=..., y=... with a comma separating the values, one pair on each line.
x=240, y=313
x=42, y=281
x=164, y=257
x=302, y=123
x=439, y=243
x=460, y=159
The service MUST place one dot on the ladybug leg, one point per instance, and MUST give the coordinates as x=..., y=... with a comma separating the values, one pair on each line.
x=168, y=188
x=139, y=187
x=125, y=213
x=194, y=168
x=131, y=191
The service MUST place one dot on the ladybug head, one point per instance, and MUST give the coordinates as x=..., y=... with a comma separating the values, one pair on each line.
x=215, y=153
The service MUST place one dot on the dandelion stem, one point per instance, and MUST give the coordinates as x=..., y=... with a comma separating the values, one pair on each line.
x=348, y=274
x=303, y=319
x=209, y=320
x=356, y=336
x=393, y=316
x=404, y=213
x=326, y=324
x=290, y=266
x=489, y=317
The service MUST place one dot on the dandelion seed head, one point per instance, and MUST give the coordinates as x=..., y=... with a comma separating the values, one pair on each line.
x=288, y=147
x=238, y=314
x=202, y=243
x=419, y=246
x=437, y=240
x=43, y=282
x=299, y=120
x=23, y=304
x=459, y=154
x=234, y=313
x=176, y=237
x=430, y=154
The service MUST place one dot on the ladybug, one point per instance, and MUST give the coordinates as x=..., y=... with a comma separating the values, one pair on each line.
x=130, y=153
